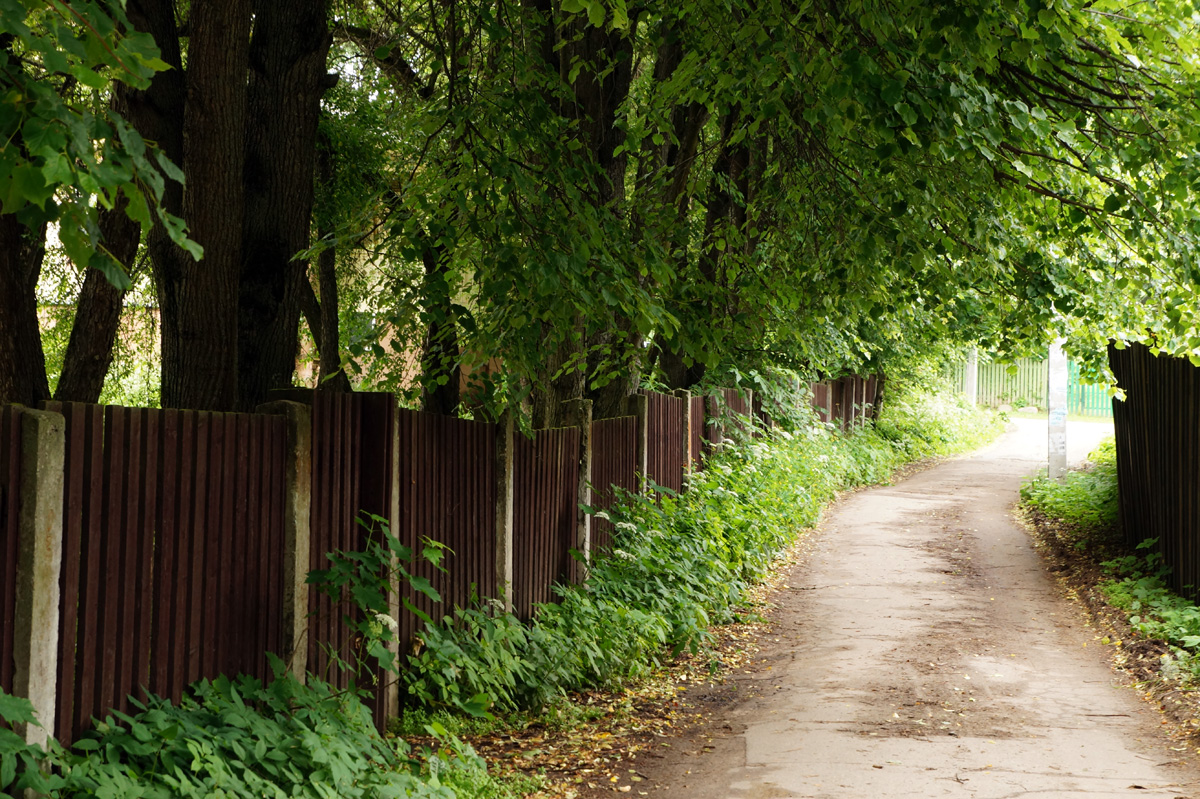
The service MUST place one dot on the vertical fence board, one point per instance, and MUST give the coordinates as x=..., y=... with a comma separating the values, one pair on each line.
x=10, y=478
x=614, y=465
x=1158, y=466
x=666, y=426
x=546, y=475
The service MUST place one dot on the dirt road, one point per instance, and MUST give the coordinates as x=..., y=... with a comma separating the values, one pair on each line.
x=921, y=651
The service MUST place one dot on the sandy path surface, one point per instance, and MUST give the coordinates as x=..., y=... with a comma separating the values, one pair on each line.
x=921, y=651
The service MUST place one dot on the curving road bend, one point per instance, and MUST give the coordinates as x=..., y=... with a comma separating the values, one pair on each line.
x=922, y=651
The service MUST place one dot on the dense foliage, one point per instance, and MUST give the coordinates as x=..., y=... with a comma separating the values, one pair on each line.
x=1085, y=500
x=563, y=198
x=239, y=738
x=1084, y=504
x=677, y=565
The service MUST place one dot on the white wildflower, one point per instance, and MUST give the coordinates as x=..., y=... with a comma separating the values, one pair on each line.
x=602, y=515
x=622, y=554
x=387, y=621
x=627, y=526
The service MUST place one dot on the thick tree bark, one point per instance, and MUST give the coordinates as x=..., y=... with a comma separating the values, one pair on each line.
x=200, y=124
x=287, y=79
x=22, y=361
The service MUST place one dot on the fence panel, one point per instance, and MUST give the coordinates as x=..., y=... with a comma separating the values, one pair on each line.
x=1026, y=386
x=821, y=400
x=166, y=517
x=735, y=401
x=872, y=397
x=666, y=429
x=545, y=485
x=352, y=464
x=1086, y=400
x=697, y=425
x=448, y=494
x=614, y=463
x=1158, y=461
x=10, y=483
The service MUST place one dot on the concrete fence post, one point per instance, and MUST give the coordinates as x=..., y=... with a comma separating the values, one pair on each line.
x=578, y=413
x=753, y=423
x=39, y=561
x=391, y=689
x=971, y=376
x=686, y=396
x=638, y=405
x=1056, y=396
x=297, y=530
x=504, y=509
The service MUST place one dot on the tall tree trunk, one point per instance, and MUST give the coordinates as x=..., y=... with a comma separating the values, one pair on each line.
x=287, y=79
x=22, y=361
x=198, y=301
x=322, y=318
x=600, y=90
x=441, y=370
x=332, y=375
x=98, y=314
x=669, y=166
x=730, y=167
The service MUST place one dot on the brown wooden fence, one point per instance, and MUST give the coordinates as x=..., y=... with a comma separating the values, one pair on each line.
x=667, y=444
x=614, y=463
x=846, y=400
x=10, y=484
x=545, y=498
x=353, y=446
x=447, y=482
x=173, y=525
x=1157, y=428
x=171, y=520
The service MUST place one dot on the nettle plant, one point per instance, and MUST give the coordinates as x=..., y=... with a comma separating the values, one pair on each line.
x=232, y=737
x=364, y=582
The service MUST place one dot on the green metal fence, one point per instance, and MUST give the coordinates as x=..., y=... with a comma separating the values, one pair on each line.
x=1001, y=384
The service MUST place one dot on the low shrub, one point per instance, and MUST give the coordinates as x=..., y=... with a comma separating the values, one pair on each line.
x=677, y=564
x=1085, y=499
x=1084, y=505
x=237, y=738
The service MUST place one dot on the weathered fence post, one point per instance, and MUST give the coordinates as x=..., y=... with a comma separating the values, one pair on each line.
x=297, y=529
x=39, y=561
x=504, y=509
x=638, y=405
x=686, y=396
x=578, y=413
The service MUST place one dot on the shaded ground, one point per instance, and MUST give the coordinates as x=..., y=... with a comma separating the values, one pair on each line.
x=919, y=649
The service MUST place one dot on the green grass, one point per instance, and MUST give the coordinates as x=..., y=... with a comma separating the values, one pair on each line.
x=1084, y=500
x=1084, y=503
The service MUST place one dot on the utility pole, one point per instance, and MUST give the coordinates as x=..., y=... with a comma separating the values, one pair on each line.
x=1057, y=398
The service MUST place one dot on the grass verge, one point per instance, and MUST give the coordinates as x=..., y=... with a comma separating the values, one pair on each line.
x=1154, y=634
